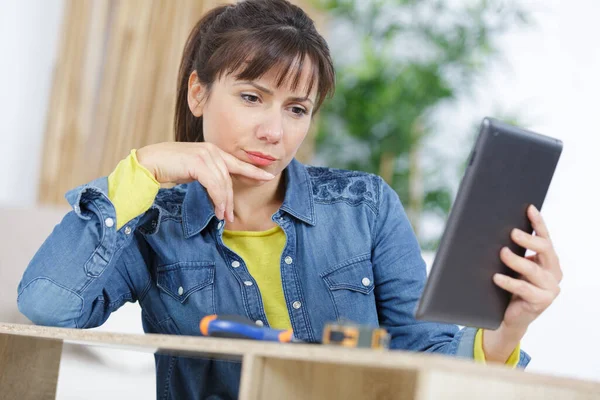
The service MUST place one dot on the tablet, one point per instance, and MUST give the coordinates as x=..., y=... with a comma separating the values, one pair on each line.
x=509, y=168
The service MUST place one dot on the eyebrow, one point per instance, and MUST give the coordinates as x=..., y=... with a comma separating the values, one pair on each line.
x=270, y=92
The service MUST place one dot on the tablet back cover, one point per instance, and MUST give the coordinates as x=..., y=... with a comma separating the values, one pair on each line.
x=509, y=168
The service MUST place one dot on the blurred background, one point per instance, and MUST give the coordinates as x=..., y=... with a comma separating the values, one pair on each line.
x=84, y=81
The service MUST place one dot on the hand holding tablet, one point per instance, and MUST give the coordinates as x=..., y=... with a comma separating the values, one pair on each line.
x=480, y=277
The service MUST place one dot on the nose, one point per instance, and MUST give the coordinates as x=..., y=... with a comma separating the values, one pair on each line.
x=271, y=130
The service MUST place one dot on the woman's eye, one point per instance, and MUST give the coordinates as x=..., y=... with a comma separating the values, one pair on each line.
x=299, y=111
x=250, y=98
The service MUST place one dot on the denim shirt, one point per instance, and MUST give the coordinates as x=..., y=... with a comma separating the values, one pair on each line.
x=350, y=253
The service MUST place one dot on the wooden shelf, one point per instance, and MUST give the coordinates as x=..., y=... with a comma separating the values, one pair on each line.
x=290, y=371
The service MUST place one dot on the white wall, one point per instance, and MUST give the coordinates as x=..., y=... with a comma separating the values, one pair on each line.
x=28, y=48
x=551, y=76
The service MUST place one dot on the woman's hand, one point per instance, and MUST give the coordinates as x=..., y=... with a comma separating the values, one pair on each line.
x=540, y=274
x=179, y=162
x=533, y=291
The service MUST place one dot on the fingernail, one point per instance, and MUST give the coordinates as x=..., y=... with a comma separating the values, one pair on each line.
x=534, y=210
x=517, y=234
x=269, y=175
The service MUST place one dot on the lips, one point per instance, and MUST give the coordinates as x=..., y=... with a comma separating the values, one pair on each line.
x=261, y=155
x=260, y=159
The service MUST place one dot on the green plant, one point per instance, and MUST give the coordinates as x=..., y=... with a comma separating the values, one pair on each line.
x=412, y=56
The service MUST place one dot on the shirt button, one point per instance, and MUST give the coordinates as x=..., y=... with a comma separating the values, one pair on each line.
x=180, y=291
x=235, y=264
x=366, y=281
x=297, y=305
x=109, y=222
x=127, y=230
x=248, y=283
x=260, y=323
x=220, y=225
x=288, y=260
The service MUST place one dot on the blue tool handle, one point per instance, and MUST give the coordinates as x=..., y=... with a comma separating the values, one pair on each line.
x=241, y=328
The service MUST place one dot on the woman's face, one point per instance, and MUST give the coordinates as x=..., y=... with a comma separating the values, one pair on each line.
x=255, y=121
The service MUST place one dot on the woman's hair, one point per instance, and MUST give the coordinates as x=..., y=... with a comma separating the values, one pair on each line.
x=252, y=36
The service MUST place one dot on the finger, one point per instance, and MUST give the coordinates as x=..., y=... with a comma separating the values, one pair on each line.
x=538, y=222
x=546, y=254
x=228, y=185
x=238, y=167
x=538, y=298
x=538, y=244
x=555, y=271
x=531, y=271
x=225, y=180
x=213, y=182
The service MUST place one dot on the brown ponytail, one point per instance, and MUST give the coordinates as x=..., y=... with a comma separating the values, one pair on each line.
x=257, y=35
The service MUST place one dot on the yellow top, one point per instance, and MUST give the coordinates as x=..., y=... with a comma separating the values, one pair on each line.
x=479, y=355
x=261, y=251
x=132, y=189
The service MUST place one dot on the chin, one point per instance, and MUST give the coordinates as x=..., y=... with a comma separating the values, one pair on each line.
x=249, y=181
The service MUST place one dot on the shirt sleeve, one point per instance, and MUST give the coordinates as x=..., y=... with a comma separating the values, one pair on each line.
x=479, y=355
x=132, y=189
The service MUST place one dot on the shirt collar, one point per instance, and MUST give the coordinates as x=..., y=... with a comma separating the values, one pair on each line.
x=299, y=202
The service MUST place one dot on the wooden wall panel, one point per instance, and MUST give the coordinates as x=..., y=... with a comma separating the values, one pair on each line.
x=114, y=86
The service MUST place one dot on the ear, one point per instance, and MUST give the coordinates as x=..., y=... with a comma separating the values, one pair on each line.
x=196, y=95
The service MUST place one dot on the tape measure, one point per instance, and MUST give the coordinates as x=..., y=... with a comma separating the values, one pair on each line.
x=348, y=334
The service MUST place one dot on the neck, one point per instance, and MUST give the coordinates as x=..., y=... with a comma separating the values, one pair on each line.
x=254, y=205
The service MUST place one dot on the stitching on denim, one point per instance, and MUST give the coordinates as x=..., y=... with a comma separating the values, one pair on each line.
x=168, y=377
x=145, y=291
x=96, y=250
x=150, y=320
x=310, y=198
x=335, y=308
x=304, y=313
x=227, y=255
x=379, y=186
x=122, y=299
x=350, y=261
x=176, y=266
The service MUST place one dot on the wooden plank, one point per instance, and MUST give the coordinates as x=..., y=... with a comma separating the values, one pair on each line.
x=297, y=380
x=251, y=382
x=300, y=352
x=437, y=384
x=29, y=367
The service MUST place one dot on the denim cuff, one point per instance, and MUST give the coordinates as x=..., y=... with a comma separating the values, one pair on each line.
x=80, y=196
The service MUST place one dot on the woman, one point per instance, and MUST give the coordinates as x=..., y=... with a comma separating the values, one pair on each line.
x=251, y=231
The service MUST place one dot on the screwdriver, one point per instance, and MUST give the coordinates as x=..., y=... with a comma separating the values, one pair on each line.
x=239, y=327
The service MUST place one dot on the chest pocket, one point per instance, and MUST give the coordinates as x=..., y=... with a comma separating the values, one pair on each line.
x=187, y=290
x=351, y=286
